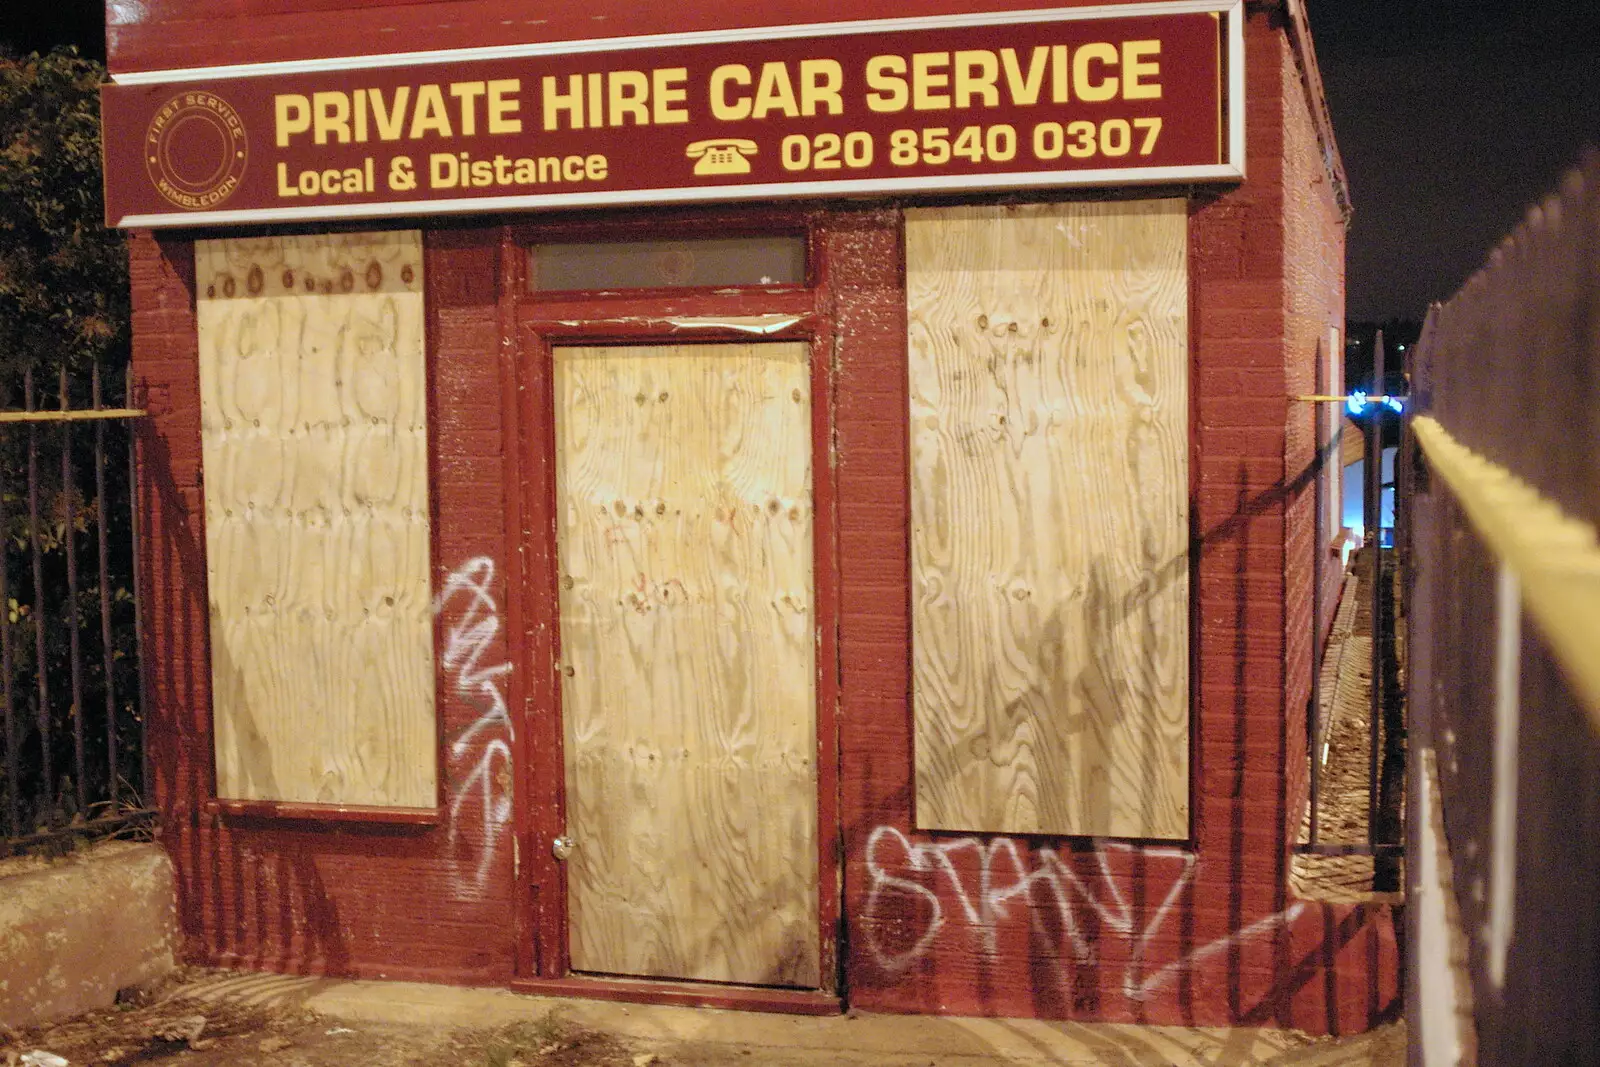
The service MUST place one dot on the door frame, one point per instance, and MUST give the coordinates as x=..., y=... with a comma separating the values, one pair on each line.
x=531, y=326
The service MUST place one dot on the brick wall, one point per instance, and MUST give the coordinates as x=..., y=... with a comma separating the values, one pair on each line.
x=1203, y=932
x=324, y=897
x=1072, y=928
x=169, y=34
x=1313, y=302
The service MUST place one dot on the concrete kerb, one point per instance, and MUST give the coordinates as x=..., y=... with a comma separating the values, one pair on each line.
x=76, y=930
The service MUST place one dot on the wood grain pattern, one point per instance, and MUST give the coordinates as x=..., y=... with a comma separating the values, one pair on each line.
x=314, y=436
x=1049, y=439
x=688, y=652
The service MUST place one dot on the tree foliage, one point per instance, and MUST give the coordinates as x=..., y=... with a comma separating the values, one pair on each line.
x=63, y=274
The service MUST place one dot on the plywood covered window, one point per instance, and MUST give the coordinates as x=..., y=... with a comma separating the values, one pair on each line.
x=1048, y=356
x=314, y=430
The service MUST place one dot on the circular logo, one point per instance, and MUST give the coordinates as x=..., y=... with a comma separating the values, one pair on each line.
x=195, y=150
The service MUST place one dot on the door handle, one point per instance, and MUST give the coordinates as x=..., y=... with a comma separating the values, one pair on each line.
x=562, y=847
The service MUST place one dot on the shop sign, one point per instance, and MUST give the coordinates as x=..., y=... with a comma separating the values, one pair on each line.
x=1134, y=94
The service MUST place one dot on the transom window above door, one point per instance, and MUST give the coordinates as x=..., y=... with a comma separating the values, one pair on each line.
x=724, y=262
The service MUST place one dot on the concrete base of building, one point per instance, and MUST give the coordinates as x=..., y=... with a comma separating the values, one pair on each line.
x=76, y=930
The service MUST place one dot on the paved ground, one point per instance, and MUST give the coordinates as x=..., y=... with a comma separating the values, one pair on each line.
x=226, y=1019
x=1344, y=745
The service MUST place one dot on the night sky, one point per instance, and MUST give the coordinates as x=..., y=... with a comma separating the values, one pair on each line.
x=1453, y=116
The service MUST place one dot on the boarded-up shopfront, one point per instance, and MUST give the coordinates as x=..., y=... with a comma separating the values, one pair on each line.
x=740, y=508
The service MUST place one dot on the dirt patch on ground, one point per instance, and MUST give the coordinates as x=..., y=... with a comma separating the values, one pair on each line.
x=164, y=1028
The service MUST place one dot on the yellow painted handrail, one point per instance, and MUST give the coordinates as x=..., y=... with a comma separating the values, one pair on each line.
x=1555, y=557
x=80, y=415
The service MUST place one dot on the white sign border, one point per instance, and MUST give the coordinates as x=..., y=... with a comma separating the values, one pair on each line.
x=1233, y=169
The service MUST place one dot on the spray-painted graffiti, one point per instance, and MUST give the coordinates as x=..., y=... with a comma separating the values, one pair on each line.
x=480, y=759
x=1007, y=877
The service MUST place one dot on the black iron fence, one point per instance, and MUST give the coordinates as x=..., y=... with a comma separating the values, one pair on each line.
x=72, y=747
x=1504, y=938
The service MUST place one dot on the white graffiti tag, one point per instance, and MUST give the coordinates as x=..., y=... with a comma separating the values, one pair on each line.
x=483, y=746
x=1005, y=879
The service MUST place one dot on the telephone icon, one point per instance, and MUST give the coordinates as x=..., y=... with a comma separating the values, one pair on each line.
x=724, y=156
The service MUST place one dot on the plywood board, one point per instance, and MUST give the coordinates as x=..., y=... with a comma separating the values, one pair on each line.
x=314, y=430
x=1049, y=439
x=688, y=637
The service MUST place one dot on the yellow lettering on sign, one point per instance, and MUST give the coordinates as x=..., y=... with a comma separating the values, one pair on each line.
x=1024, y=89
x=503, y=104
x=570, y=101
x=964, y=79
x=1087, y=88
x=468, y=93
x=292, y=115
x=884, y=77
x=429, y=114
x=974, y=78
x=391, y=119
x=326, y=182
x=628, y=91
x=820, y=82
x=597, y=115
x=721, y=78
x=774, y=92
x=1135, y=69
x=668, y=91
x=331, y=115
x=452, y=170
x=925, y=78
x=601, y=99
x=975, y=75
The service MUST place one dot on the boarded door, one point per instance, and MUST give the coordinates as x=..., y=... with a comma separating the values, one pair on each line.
x=688, y=660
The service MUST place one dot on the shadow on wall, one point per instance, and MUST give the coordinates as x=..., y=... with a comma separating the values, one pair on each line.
x=279, y=903
x=1127, y=930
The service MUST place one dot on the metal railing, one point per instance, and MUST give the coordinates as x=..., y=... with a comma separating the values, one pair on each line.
x=72, y=749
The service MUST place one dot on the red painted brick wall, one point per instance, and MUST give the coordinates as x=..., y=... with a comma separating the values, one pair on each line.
x=1314, y=302
x=1207, y=933
x=1203, y=932
x=167, y=34
x=339, y=898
